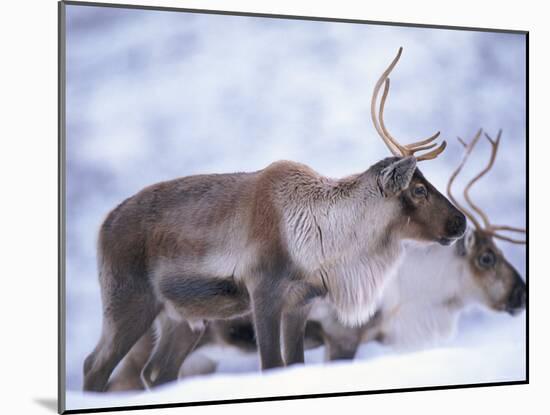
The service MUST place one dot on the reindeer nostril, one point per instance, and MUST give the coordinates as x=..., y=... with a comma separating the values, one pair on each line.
x=456, y=226
x=522, y=296
x=518, y=298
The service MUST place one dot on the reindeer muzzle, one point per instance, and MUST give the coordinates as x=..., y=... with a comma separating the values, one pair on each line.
x=455, y=227
x=517, y=299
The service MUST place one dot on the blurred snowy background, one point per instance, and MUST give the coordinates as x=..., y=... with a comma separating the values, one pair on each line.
x=154, y=95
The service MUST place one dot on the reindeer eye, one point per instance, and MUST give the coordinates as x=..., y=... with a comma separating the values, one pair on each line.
x=487, y=259
x=420, y=191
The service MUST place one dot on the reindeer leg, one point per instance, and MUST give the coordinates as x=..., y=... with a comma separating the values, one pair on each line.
x=127, y=375
x=314, y=336
x=293, y=328
x=341, y=349
x=341, y=342
x=267, y=313
x=176, y=340
x=127, y=315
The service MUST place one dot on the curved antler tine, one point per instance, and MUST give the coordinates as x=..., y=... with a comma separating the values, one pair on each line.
x=393, y=147
x=494, y=142
x=422, y=142
x=409, y=150
x=461, y=141
x=398, y=146
x=477, y=209
x=492, y=229
x=506, y=238
x=420, y=148
x=468, y=149
x=434, y=153
x=507, y=228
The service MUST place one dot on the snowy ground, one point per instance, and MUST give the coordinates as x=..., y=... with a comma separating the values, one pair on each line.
x=491, y=350
x=155, y=95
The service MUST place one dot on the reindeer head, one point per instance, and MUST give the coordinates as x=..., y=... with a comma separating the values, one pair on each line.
x=494, y=281
x=424, y=213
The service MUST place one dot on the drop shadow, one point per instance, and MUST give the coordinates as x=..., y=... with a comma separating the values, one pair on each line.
x=47, y=403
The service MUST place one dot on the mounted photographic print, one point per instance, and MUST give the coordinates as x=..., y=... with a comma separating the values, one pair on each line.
x=261, y=207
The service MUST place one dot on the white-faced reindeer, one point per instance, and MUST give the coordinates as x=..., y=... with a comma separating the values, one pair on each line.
x=435, y=284
x=218, y=246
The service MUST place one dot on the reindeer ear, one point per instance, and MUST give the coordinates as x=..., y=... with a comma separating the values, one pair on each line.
x=466, y=244
x=397, y=176
x=469, y=240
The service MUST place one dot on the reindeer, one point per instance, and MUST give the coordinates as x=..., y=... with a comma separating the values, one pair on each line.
x=210, y=247
x=421, y=306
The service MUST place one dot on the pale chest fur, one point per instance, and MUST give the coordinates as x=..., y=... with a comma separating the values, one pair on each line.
x=357, y=285
x=422, y=304
x=337, y=232
x=347, y=250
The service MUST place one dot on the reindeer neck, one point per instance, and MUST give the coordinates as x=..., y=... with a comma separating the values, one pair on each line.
x=432, y=274
x=325, y=219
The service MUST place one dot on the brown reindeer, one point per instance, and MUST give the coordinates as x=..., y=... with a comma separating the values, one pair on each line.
x=209, y=247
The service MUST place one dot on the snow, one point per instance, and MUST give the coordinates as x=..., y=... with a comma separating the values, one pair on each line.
x=493, y=350
x=156, y=95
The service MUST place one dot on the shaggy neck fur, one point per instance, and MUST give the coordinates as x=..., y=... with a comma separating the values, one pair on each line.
x=339, y=231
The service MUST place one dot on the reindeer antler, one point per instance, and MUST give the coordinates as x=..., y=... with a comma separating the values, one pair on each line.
x=489, y=229
x=494, y=150
x=468, y=150
x=394, y=146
